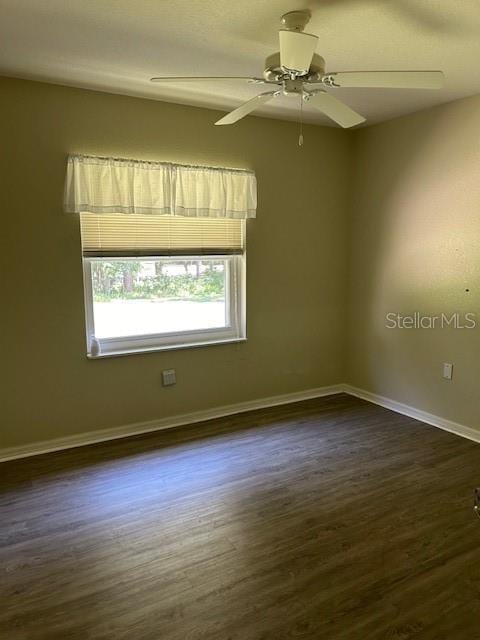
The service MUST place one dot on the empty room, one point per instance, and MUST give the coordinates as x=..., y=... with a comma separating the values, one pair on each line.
x=240, y=320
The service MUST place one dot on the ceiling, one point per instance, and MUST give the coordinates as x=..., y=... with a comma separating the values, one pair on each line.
x=117, y=45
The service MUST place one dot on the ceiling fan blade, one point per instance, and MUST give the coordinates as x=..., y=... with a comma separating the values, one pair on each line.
x=335, y=109
x=386, y=79
x=206, y=78
x=247, y=107
x=296, y=50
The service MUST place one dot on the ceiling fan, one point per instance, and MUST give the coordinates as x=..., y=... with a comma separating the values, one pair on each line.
x=296, y=70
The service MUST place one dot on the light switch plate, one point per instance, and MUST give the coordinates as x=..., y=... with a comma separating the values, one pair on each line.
x=169, y=377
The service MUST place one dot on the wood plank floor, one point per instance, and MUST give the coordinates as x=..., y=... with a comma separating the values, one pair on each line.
x=326, y=519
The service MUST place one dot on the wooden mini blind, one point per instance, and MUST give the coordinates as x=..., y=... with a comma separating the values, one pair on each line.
x=114, y=234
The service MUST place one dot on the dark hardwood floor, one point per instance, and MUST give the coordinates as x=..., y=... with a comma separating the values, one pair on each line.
x=326, y=519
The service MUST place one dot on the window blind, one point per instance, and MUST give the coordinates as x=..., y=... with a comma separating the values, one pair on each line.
x=116, y=234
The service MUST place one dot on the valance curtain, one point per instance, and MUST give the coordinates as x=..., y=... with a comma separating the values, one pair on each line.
x=111, y=185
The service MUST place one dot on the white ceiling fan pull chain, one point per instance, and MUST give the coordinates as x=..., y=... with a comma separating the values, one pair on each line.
x=300, y=137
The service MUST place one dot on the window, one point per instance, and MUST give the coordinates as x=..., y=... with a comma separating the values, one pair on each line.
x=163, y=251
x=162, y=281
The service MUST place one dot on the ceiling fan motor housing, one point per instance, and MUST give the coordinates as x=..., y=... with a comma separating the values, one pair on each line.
x=275, y=73
x=296, y=20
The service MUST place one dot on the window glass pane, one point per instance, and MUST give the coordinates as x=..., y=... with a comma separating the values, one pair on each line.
x=141, y=296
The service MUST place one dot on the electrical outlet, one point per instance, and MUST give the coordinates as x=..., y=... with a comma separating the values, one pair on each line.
x=447, y=370
x=169, y=377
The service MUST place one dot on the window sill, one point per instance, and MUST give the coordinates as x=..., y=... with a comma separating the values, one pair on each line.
x=167, y=347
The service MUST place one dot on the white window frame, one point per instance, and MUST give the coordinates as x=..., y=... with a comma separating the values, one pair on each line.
x=235, y=293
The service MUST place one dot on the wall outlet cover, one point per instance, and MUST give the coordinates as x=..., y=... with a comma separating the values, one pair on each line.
x=447, y=370
x=169, y=377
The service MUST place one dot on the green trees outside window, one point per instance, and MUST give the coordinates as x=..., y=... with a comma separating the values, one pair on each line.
x=201, y=280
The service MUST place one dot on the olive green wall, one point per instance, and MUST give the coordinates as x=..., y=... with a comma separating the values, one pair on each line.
x=415, y=246
x=296, y=249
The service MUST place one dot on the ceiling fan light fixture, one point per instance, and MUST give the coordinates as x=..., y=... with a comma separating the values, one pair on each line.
x=296, y=50
x=296, y=70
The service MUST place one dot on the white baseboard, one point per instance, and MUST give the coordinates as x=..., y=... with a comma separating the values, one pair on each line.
x=91, y=437
x=436, y=421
